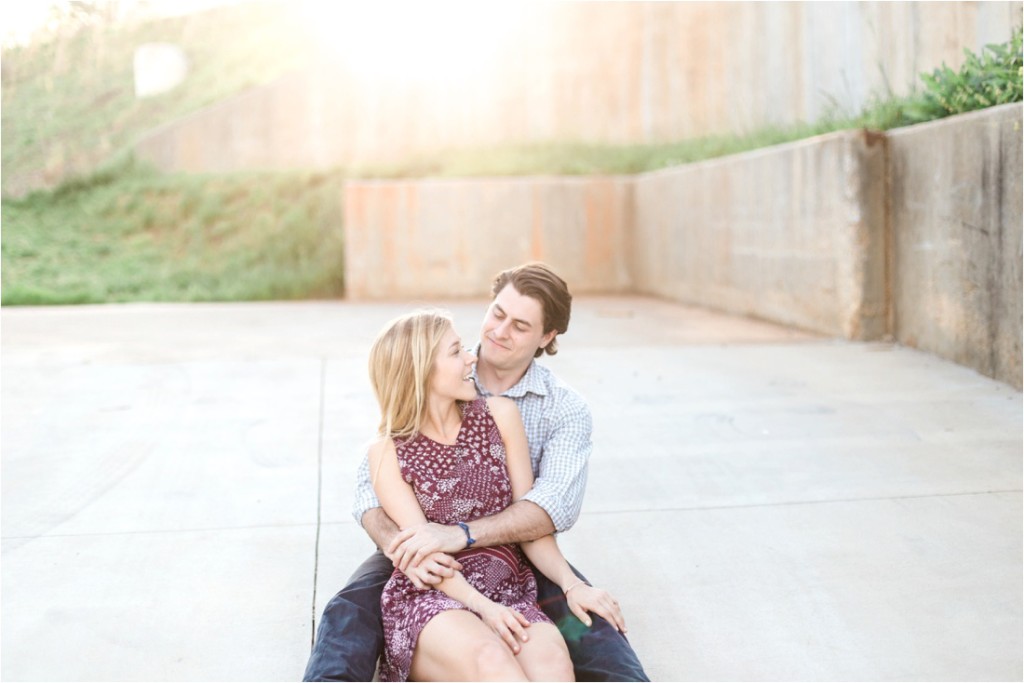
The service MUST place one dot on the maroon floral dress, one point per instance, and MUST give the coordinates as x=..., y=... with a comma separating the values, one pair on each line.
x=457, y=483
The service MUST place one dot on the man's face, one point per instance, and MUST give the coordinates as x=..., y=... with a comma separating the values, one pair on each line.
x=513, y=330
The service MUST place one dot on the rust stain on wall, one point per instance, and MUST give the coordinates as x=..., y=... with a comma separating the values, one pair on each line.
x=537, y=224
x=601, y=210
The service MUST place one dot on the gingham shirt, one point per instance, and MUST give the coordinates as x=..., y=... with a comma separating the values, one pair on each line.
x=558, y=428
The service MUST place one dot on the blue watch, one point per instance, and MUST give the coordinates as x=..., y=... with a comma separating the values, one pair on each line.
x=469, y=539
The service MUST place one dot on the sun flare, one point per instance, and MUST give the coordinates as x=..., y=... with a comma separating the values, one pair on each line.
x=418, y=43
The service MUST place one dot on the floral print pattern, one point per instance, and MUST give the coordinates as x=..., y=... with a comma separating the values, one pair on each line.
x=456, y=483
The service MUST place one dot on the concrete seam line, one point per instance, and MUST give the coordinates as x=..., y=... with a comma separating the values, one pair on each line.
x=319, y=492
x=701, y=508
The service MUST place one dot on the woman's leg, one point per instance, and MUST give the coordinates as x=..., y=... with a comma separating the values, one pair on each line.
x=544, y=657
x=456, y=646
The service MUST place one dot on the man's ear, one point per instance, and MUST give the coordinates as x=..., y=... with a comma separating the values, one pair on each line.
x=546, y=339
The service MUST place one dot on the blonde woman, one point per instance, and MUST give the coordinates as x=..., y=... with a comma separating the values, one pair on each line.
x=446, y=456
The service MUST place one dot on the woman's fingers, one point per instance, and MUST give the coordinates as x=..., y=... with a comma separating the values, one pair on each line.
x=611, y=614
x=586, y=599
x=505, y=631
x=580, y=613
x=510, y=626
x=522, y=620
x=517, y=624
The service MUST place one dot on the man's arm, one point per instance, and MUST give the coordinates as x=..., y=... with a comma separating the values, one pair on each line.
x=553, y=504
x=379, y=527
x=382, y=529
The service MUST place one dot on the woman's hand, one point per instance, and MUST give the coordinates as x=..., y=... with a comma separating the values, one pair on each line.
x=433, y=570
x=509, y=624
x=583, y=598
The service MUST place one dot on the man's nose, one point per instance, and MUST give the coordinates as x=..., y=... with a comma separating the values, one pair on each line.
x=502, y=328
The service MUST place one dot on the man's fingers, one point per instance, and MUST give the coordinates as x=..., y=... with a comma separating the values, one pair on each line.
x=408, y=553
x=399, y=538
x=420, y=555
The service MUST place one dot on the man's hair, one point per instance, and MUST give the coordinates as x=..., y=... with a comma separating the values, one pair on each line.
x=401, y=364
x=537, y=281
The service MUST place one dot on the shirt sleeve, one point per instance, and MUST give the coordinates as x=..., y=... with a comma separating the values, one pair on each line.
x=366, y=498
x=561, y=478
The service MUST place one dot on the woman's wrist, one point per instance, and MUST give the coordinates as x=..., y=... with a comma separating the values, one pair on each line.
x=572, y=584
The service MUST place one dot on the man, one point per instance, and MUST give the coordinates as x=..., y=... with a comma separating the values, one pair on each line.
x=530, y=308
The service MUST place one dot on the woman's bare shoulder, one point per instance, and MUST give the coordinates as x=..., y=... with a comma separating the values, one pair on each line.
x=504, y=410
x=381, y=446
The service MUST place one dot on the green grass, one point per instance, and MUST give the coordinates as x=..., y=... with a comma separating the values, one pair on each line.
x=580, y=158
x=130, y=235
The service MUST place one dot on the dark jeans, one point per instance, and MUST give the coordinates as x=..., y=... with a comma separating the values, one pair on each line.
x=350, y=637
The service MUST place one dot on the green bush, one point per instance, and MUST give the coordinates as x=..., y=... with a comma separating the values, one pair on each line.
x=992, y=78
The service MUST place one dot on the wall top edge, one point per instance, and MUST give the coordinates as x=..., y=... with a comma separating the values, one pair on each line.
x=511, y=179
x=996, y=112
x=840, y=136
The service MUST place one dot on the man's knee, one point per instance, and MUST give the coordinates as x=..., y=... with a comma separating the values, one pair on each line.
x=350, y=635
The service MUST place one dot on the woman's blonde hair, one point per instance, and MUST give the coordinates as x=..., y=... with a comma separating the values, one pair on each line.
x=401, y=361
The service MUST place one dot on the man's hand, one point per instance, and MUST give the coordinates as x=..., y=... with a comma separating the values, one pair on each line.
x=412, y=546
x=433, y=570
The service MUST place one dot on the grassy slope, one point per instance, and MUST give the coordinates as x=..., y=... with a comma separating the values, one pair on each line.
x=126, y=234
x=129, y=235
x=69, y=103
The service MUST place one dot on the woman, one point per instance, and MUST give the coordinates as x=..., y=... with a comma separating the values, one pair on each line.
x=446, y=456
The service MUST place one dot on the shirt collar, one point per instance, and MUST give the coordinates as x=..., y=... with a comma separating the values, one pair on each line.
x=530, y=383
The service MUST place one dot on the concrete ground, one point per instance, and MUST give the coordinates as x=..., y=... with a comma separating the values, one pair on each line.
x=766, y=504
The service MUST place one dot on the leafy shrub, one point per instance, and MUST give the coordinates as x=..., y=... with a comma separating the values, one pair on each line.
x=992, y=78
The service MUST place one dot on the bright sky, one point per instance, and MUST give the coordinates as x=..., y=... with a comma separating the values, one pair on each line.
x=450, y=40
x=19, y=19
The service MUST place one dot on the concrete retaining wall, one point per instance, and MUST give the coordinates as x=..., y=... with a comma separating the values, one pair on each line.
x=956, y=218
x=615, y=72
x=916, y=235
x=794, y=233
x=447, y=238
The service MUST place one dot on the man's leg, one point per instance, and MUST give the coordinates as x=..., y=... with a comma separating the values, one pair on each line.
x=350, y=637
x=599, y=653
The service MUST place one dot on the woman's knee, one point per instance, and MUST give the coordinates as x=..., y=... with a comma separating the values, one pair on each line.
x=546, y=658
x=494, y=661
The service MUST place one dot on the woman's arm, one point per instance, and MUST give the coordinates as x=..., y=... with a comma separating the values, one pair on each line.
x=544, y=552
x=398, y=500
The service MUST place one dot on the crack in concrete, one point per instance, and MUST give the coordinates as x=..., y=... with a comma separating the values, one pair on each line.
x=319, y=495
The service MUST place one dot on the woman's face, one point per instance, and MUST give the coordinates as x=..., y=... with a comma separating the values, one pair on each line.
x=451, y=376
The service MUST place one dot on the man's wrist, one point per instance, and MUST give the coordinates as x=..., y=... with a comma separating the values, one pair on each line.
x=469, y=537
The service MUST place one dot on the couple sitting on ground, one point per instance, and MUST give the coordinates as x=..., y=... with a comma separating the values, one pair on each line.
x=481, y=457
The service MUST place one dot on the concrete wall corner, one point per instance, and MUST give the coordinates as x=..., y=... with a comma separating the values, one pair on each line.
x=862, y=256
